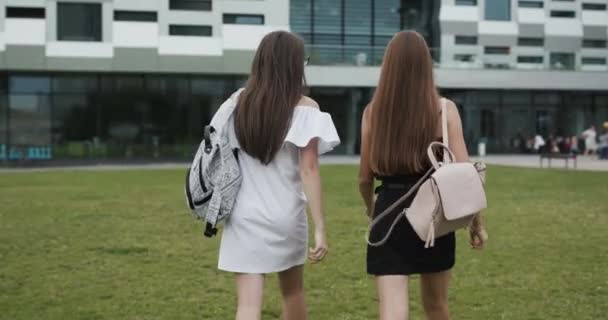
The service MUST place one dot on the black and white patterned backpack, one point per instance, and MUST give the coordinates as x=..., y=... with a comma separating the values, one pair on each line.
x=214, y=178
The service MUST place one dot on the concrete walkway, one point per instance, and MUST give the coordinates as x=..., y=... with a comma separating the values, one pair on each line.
x=528, y=161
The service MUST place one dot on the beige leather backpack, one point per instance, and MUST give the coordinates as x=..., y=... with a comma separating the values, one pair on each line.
x=449, y=195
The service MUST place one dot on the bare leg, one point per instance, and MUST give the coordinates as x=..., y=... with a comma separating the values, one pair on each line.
x=393, y=297
x=292, y=289
x=250, y=294
x=434, y=290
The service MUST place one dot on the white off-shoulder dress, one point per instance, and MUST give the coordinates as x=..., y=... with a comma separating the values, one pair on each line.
x=267, y=230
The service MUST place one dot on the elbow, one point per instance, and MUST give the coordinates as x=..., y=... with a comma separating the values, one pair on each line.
x=365, y=185
x=309, y=169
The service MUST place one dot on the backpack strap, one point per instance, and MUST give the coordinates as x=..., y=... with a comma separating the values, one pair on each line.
x=444, y=127
x=388, y=211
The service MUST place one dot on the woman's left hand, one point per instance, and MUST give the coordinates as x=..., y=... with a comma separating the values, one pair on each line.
x=318, y=253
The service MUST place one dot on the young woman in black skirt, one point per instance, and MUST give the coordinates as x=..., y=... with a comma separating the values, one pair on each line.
x=402, y=119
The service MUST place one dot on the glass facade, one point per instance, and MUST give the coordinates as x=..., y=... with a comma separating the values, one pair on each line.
x=196, y=5
x=562, y=60
x=79, y=21
x=356, y=32
x=505, y=119
x=190, y=30
x=252, y=19
x=105, y=117
x=499, y=10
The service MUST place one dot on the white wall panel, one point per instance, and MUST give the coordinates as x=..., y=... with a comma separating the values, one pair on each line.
x=25, y=3
x=136, y=34
x=239, y=37
x=25, y=31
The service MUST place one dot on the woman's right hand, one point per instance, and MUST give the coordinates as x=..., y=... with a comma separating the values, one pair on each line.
x=479, y=236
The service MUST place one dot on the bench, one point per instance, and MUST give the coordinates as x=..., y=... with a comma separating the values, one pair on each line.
x=550, y=156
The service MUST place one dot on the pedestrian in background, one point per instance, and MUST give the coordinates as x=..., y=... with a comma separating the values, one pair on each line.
x=590, y=136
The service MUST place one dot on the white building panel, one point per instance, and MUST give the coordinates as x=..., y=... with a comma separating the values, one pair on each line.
x=595, y=24
x=460, y=20
x=25, y=3
x=531, y=22
x=190, y=46
x=240, y=37
x=563, y=34
x=25, y=31
x=498, y=33
x=141, y=5
x=273, y=10
x=136, y=34
x=80, y=49
x=594, y=68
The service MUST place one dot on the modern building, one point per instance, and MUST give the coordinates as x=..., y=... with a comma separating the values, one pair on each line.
x=138, y=79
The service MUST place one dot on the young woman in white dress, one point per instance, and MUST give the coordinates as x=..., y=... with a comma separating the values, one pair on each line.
x=280, y=134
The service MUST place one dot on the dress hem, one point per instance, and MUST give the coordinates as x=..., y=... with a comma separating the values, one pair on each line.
x=225, y=269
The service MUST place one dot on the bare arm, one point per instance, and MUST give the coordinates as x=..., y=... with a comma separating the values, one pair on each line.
x=366, y=177
x=458, y=146
x=455, y=132
x=311, y=177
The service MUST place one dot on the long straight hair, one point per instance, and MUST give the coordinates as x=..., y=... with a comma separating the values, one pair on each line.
x=404, y=109
x=276, y=84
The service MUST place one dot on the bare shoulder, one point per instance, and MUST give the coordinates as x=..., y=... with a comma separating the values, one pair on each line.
x=367, y=113
x=308, y=102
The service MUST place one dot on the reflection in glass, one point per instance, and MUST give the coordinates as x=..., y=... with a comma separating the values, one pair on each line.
x=3, y=120
x=75, y=127
x=562, y=61
x=30, y=122
x=29, y=84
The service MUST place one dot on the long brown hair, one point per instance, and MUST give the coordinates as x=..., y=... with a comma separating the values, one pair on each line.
x=276, y=84
x=404, y=109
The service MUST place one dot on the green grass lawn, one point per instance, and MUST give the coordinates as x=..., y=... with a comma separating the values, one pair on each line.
x=121, y=245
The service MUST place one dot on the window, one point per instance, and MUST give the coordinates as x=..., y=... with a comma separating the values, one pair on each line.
x=78, y=21
x=496, y=50
x=300, y=18
x=29, y=111
x=466, y=2
x=197, y=5
x=465, y=40
x=562, y=60
x=256, y=19
x=531, y=42
x=592, y=43
x=594, y=6
x=499, y=10
x=139, y=16
x=464, y=57
x=22, y=12
x=358, y=25
x=487, y=123
x=190, y=30
x=531, y=4
x=594, y=60
x=530, y=59
x=563, y=14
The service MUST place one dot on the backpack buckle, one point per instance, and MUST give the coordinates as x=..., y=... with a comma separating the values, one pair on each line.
x=207, y=138
x=210, y=231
